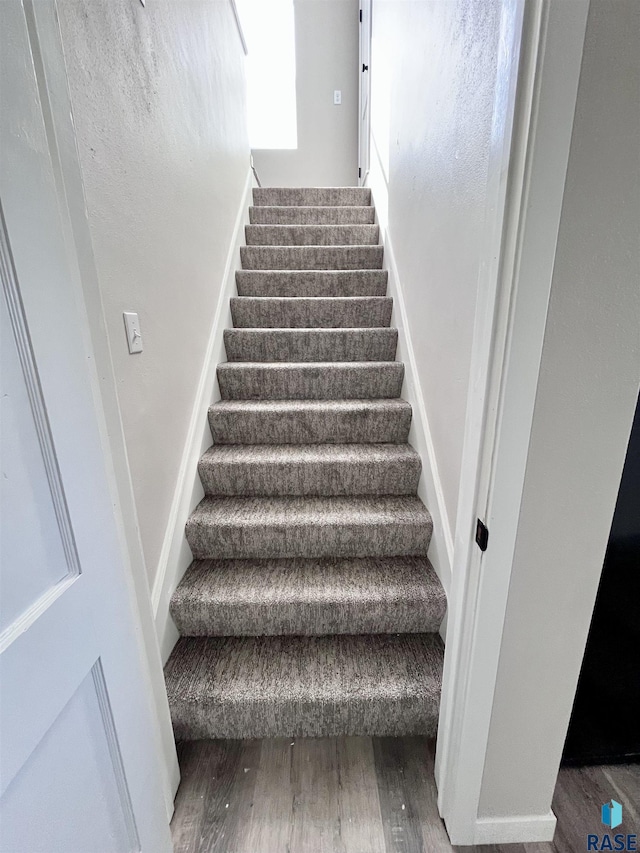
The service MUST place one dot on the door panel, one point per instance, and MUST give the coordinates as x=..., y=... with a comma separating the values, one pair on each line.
x=79, y=765
x=86, y=776
x=32, y=554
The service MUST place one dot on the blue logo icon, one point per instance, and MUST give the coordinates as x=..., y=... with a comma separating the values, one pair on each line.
x=612, y=814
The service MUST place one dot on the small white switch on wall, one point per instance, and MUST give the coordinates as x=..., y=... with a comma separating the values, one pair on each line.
x=134, y=336
x=337, y=97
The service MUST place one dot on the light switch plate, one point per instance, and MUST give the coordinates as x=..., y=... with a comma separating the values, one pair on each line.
x=337, y=97
x=132, y=328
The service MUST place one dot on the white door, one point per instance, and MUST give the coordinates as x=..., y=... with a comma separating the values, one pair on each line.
x=364, y=118
x=78, y=769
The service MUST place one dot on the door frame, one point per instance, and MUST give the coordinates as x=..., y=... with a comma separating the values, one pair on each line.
x=521, y=229
x=364, y=52
x=49, y=62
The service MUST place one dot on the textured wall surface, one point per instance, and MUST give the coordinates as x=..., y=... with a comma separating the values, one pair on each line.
x=158, y=103
x=327, y=33
x=586, y=397
x=433, y=77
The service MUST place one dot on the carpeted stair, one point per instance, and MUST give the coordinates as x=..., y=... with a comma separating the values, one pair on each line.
x=311, y=607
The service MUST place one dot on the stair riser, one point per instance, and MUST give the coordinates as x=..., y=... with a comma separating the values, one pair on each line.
x=312, y=283
x=312, y=196
x=311, y=235
x=269, y=620
x=253, y=313
x=320, y=478
x=306, y=427
x=244, y=542
x=239, y=381
x=241, y=719
x=299, y=215
x=311, y=345
x=311, y=257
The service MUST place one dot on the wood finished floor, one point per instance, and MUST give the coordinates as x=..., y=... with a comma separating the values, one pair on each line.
x=354, y=795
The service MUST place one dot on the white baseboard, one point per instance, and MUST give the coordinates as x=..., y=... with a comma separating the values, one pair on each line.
x=523, y=829
x=175, y=555
x=430, y=488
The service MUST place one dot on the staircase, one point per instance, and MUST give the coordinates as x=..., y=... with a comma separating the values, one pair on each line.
x=311, y=607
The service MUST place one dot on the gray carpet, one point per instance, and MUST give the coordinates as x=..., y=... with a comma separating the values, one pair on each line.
x=311, y=235
x=249, y=687
x=328, y=312
x=311, y=257
x=292, y=526
x=311, y=607
x=331, y=380
x=367, y=595
x=301, y=215
x=311, y=282
x=312, y=196
x=315, y=344
x=310, y=421
x=310, y=469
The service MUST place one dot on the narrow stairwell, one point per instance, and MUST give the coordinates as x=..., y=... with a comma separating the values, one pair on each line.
x=311, y=607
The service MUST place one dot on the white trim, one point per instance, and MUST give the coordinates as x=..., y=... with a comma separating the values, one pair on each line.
x=526, y=829
x=364, y=53
x=507, y=347
x=430, y=488
x=175, y=555
x=477, y=436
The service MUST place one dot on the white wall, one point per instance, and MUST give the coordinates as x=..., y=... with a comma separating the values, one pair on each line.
x=158, y=100
x=588, y=384
x=433, y=78
x=327, y=33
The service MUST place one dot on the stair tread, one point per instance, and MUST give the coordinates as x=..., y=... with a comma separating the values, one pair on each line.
x=369, y=595
x=310, y=469
x=313, y=300
x=289, y=227
x=307, y=454
x=295, y=406
x=320, y=511
x=285, y=685
x=309, y=421
x=309, y=526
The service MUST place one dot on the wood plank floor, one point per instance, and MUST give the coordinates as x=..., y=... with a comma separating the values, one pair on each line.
x=354, y=795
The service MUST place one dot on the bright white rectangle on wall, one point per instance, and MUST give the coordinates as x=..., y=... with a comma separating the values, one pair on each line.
x=271, y=72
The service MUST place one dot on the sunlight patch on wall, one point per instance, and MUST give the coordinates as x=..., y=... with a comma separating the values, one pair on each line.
x=381, y=103
x=268, y=27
